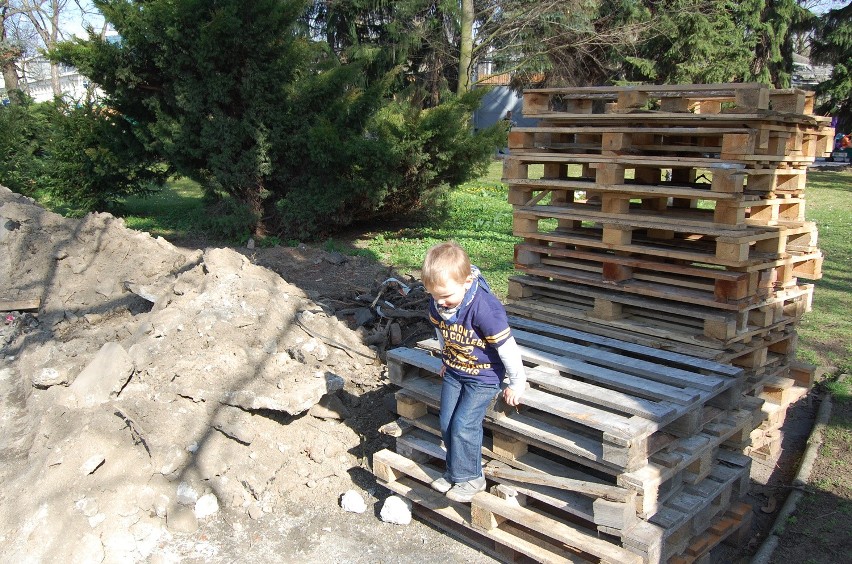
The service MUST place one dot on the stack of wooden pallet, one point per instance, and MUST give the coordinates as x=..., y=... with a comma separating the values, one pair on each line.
x=673, y=216
x=616, y=455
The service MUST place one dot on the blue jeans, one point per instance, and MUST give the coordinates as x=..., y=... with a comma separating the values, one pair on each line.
x=463, y=408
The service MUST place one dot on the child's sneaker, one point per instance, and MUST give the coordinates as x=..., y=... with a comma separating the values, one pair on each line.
x=440, y=485
x=465, y=491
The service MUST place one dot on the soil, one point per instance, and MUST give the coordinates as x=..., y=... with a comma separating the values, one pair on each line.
x=228, y=374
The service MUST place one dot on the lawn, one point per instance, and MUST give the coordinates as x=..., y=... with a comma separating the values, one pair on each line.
x=480, y=219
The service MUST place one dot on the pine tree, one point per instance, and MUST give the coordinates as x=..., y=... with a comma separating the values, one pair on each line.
x=833, y=45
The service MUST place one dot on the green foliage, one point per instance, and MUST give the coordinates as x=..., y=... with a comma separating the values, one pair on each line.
x=228, y=220
x=307, y=136
x=23, y=130
x=93, y=159
x=708, y=41
x=833, y=45
x=80, y=158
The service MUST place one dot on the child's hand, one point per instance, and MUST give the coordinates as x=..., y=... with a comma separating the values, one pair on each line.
x=511, y=397
x=443, y=369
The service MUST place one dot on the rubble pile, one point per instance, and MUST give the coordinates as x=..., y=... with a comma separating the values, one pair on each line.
x=150, y=386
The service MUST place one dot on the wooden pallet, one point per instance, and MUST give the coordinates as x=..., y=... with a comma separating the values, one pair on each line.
x=511, y=526
x=612, y=407
x=734, y=527
x=695, y=283
x=693, y=99
x=677, y=203
x=536, y=512
x=763, y=141
x=656, y=237
x=672, y=318
x=683, y=461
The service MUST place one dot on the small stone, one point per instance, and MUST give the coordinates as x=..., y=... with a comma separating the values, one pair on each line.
x=255, y=512
x=186, y=494
x=330, y=407
x=96, y=520
x=87, y=506
x=335, y=258
x=396, y=510
x=92, y=464
x=353, y=502
x=206, y=506
x=48, y=377
x=161, y=505
x=363, y=315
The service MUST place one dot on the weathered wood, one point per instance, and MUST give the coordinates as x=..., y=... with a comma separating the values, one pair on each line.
x=604, y=550
x=612, y=493
x=29, y=305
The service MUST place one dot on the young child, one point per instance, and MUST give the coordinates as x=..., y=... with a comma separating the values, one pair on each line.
x=478, y=353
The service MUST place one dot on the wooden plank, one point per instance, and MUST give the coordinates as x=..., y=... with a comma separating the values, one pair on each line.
x=415, y=357
x=604, y=550
x=652, y=304
x=699, y=191
x=608, y=398
x=679, y=360
x=659, y=387
x=639, y=287
x=549, y=437
x=634, y=262
x=612, y=493
x=730, y=233
x=626, y=161
x=30, y=305
x=393, y=460
x=620, y=427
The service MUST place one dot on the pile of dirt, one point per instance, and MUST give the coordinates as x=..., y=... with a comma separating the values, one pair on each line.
x=155, y=389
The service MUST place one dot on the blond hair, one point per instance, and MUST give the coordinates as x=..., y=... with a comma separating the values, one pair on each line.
x=443, y=262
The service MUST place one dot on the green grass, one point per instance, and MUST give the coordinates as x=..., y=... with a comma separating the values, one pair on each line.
x=173, y=212
x=826, y=331
x=480, y=219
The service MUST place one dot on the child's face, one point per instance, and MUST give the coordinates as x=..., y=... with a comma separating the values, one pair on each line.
x=450, y=293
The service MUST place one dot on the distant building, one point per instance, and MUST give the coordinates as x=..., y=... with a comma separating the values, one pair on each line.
x=35, y=80
x=498, y=101
x=806, y=75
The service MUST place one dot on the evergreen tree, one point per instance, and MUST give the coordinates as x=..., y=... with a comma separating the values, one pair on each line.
x=833, y=45
x=708, y=41
x=288, y=111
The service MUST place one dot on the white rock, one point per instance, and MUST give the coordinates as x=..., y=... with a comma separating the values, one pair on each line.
x=396, y=510
x=104, y=376
x=353, y=502
x=186, y=494
x=206, y=506
x=161, y=505
x=92, y=464
x=50, y=377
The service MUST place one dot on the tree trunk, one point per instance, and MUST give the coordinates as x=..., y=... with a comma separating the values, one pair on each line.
x=55, y=80
x=465, y=47
x=8, y=55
